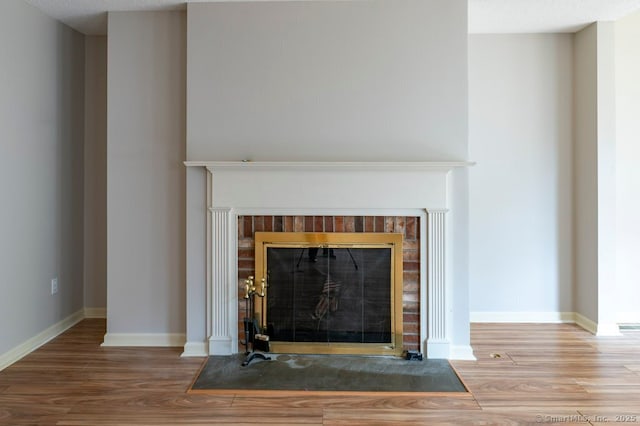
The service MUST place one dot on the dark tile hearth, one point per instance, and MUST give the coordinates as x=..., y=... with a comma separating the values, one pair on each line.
x=328, y=373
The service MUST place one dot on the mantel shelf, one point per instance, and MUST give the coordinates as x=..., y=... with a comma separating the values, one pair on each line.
x=330, y=165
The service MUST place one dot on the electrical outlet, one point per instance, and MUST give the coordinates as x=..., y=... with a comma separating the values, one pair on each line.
x=54, y=285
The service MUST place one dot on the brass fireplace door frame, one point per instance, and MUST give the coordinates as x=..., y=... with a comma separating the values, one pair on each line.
x=264, y=240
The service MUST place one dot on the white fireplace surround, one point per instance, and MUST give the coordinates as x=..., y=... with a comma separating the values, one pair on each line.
x=326, y=189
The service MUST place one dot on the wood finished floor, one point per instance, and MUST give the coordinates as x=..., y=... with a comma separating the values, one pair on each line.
x=546, y=373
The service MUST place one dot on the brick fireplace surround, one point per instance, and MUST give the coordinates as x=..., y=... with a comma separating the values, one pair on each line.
x=408, y=226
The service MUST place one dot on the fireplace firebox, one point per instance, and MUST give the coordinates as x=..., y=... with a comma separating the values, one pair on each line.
x=331, y=292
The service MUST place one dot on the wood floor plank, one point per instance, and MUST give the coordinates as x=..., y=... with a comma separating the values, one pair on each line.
x=203, y=414
x=611, y=415
x=361, y=402
x=157, y=421
x=443, y=417
x=621, y=384
x=544, y=372
x=49, y=395
x=527, y=386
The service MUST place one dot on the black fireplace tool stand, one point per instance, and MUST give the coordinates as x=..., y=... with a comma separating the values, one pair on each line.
x=253, y=338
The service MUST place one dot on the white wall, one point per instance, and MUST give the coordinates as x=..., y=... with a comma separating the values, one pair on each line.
x=379, y=80
x=95, y=173
x=41, y=172
x=628, y=173
x=606, y=171
x=520, y=206
x=145, y=175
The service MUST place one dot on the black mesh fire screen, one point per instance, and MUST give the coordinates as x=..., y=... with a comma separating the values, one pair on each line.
x=333, y=295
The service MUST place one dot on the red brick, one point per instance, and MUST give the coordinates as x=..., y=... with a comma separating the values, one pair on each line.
x=268, y=223
x=411, y=266
x=244, y=273
x=409, y=287
x=288, y=224
x=245, y=264
x=328, y=224
x=246, y=243
x=410, y=297
x=410, y=307
x=410, y=339
x=410, y=328
x=339, y=224
x=411, y=277
x=410, y=255
x=388, y=224
x=308, y=224
x=411, y=229
x=258, y=224
x=378, y=224
x=411, y=317
x=240, y=226
x=368, y=224
x=411, y=245
x=277, y=224
x=246, y=253
x=349, y=224
x=399, y=225
x=248, y=227
x=358, y=224
x=298, y=223
x=318, y=224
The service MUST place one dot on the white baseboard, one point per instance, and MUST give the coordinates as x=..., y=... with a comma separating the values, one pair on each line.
x=95, y=312
x=221, y=346
x=462, y=353
x=599, y=329
x=586, y=323
x=15, y=354
x=195, y=349
x=526, y=317
x=438, y=349
x=144, y=339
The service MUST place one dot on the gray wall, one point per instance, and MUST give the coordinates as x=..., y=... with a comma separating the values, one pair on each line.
x=521, y=135
x=41, y=171
x=196, y=262
x=382, y=80
x=585, y=173
x=95, y=173
x=145, y=174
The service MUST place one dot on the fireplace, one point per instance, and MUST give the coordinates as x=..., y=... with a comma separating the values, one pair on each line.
x=247, y=197
x=328, y=292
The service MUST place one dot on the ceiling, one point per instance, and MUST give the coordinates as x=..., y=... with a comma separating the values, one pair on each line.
x=485, y=16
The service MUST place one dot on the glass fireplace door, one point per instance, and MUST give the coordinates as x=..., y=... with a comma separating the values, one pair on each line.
x=330, y=298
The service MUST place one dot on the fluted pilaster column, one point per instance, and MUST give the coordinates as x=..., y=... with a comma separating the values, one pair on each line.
x=437, y=314
x=220, y=232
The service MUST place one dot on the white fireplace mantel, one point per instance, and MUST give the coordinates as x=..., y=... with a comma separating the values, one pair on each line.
x=330, y=165
x=236, y=188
